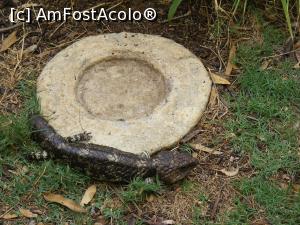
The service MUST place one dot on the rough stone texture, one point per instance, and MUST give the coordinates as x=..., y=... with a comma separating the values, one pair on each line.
x=124, y=88
x=135, y=92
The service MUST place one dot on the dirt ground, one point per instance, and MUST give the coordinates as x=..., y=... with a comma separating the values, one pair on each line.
x=195, y=31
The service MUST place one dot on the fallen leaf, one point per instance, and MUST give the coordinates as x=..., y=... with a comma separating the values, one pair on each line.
x=297, y=65
x=230, y=66
x=20, y=171
x=27, y=213
x=265, y=64
x=64, y=201
x=32, y=222
x=150, y=198
x=235, y=67
x=88, y=195
x=296, y=188
x=297, y=44
x=37, y=211
x=9, y=41
x=217, y=79
x=9, y=216
x=231, y=135
x=205, y=149
x=286, y=177
x=168, y=222
x=283, y=185
x=29, y=50
x=132, y=220
x=100, y=221
x=230, y=173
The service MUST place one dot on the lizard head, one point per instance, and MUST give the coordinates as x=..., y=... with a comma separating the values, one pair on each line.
x=172, y=166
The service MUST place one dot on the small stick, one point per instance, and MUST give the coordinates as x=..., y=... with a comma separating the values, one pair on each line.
x=96, y=6
x=216, y=205
x=7, y=211
x=281, y=54
x=6, y=29
x=56, y=29
x=216, y=54
x=28, y=196
x=114, y=6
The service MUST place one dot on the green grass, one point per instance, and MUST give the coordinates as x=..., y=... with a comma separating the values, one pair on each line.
x=287, y=7
x=138, y=189
x=264, y=112
x=14, y=128
x=114, y=215
x=173, y=8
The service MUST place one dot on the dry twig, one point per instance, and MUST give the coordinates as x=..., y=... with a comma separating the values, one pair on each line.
x=6, y=29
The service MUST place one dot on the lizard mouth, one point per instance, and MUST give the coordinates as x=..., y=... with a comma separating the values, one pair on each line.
x=180, y=173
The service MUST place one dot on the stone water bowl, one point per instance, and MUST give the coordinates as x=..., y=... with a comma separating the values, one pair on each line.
x=134, y=92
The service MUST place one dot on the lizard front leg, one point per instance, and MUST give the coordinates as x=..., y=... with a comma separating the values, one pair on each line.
x=81, y=137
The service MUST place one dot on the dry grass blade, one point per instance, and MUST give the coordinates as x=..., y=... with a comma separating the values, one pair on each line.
x=205, y=149
x=64, y=201
x=190, y=135
x=88, y=195
x=9, y=41
x=27, y=213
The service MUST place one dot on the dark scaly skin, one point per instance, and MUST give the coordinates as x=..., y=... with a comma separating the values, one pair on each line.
x=111, y=164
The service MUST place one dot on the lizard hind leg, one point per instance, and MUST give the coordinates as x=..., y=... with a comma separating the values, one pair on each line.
x=38, y=155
